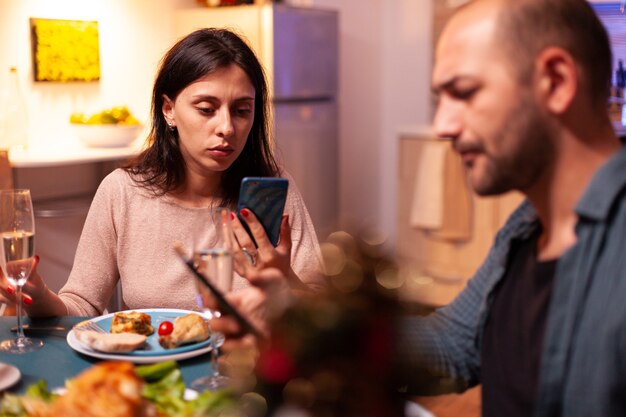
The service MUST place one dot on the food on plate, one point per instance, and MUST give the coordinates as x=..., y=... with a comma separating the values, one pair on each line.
x=119, y=389
x=187, y=329
x=110, y=389
x=118, y=115
x=112, y=342
x=132, y=322
x=166, y=328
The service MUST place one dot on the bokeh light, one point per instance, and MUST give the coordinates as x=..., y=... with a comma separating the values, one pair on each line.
x=388, y=275
x=334, y=258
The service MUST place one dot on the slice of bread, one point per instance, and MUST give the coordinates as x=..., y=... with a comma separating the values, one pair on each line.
x=187, y=329
x=112, y=342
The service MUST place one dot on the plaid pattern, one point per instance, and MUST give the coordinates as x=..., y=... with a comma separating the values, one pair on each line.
x=583, y=367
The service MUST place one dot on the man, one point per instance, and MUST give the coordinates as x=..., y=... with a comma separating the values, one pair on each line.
x=523, y=88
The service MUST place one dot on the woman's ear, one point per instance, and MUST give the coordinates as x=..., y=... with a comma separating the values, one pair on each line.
x=168, y=109
x=557, y=79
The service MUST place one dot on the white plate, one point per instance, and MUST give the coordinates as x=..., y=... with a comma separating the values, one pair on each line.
x=9, y=375
x=157, y=354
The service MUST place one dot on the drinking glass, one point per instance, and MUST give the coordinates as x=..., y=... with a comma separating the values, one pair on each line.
x=17, y=233
x=213, y=258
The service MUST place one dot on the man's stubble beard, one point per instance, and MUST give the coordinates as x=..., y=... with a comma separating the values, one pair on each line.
x=529, y=152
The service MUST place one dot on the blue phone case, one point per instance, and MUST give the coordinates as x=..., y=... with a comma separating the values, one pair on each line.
x=265, y=197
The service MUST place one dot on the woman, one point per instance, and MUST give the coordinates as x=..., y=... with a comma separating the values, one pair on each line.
x=209, y=130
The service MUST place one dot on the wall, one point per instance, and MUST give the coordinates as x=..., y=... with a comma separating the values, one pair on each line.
x=133, y=36
x=385, y=54
x=406, y=92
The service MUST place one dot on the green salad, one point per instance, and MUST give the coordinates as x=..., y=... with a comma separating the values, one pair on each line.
x=164, y=387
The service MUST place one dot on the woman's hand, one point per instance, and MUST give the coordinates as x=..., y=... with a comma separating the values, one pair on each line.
x=38, y=299
x=34, y=289
x=249, y=258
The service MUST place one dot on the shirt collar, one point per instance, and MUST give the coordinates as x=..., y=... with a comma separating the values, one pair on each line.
x=606, y=185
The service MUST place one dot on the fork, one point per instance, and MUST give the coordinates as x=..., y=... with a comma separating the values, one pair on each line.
x=89, y=325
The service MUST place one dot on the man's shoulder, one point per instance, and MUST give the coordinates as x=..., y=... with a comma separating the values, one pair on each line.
x=606, y=189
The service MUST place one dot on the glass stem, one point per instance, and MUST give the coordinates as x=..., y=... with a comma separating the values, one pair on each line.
x=18, y=312
x=214, y=365
x=214, y=352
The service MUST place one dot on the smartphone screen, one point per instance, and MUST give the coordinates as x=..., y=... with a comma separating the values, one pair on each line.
x=265, y=197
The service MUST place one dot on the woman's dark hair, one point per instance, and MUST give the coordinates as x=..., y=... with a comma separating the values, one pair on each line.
x=161, y=167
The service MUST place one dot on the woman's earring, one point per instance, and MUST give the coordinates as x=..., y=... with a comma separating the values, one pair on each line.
x=171, y=126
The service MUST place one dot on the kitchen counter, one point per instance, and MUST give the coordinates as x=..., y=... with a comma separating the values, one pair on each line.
x=69, y=154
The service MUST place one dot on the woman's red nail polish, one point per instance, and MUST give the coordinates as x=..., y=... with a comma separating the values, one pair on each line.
x=10, y=290
x=27, y=300
x=37, y=258
x=232, y=216
x=245, y=212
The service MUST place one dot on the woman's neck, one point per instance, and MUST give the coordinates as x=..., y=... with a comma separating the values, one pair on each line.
x=200, y=190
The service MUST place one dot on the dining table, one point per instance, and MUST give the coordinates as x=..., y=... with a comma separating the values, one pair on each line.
x=57, y=361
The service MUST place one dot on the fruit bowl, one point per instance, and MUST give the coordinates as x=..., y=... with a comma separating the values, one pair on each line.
x=106, y=135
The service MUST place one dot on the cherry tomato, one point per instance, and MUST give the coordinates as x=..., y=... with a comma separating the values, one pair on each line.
x=166, y=328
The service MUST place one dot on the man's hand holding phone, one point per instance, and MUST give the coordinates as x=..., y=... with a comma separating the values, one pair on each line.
x=268, y=296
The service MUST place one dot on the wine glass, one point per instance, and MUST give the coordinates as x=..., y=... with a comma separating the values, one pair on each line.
x=17, y=232
x=212, y=255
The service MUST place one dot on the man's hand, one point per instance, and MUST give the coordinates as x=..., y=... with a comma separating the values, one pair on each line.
x=267, y=298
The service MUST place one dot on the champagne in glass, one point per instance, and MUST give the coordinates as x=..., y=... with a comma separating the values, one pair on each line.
x=18, y=250
x=213, y=258
x=217, y=265
x=17, y=246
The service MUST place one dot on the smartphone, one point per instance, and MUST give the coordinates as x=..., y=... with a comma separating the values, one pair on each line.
x=265, y=197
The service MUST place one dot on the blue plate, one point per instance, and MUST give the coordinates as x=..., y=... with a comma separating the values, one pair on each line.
x=153, y=348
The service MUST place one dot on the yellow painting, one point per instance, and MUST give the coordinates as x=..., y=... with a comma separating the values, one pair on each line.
x=65, y=50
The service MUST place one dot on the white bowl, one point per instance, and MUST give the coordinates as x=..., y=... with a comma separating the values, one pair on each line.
x=107, y=136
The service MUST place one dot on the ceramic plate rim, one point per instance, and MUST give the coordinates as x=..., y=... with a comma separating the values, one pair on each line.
x=14, y=375
x=75, y=344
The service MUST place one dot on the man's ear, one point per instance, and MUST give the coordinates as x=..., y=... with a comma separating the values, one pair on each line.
x=557, y=79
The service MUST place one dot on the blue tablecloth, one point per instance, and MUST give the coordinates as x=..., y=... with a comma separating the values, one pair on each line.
x=56, y=361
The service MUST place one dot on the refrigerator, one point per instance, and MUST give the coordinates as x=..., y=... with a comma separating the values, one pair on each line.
x=298, y=47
